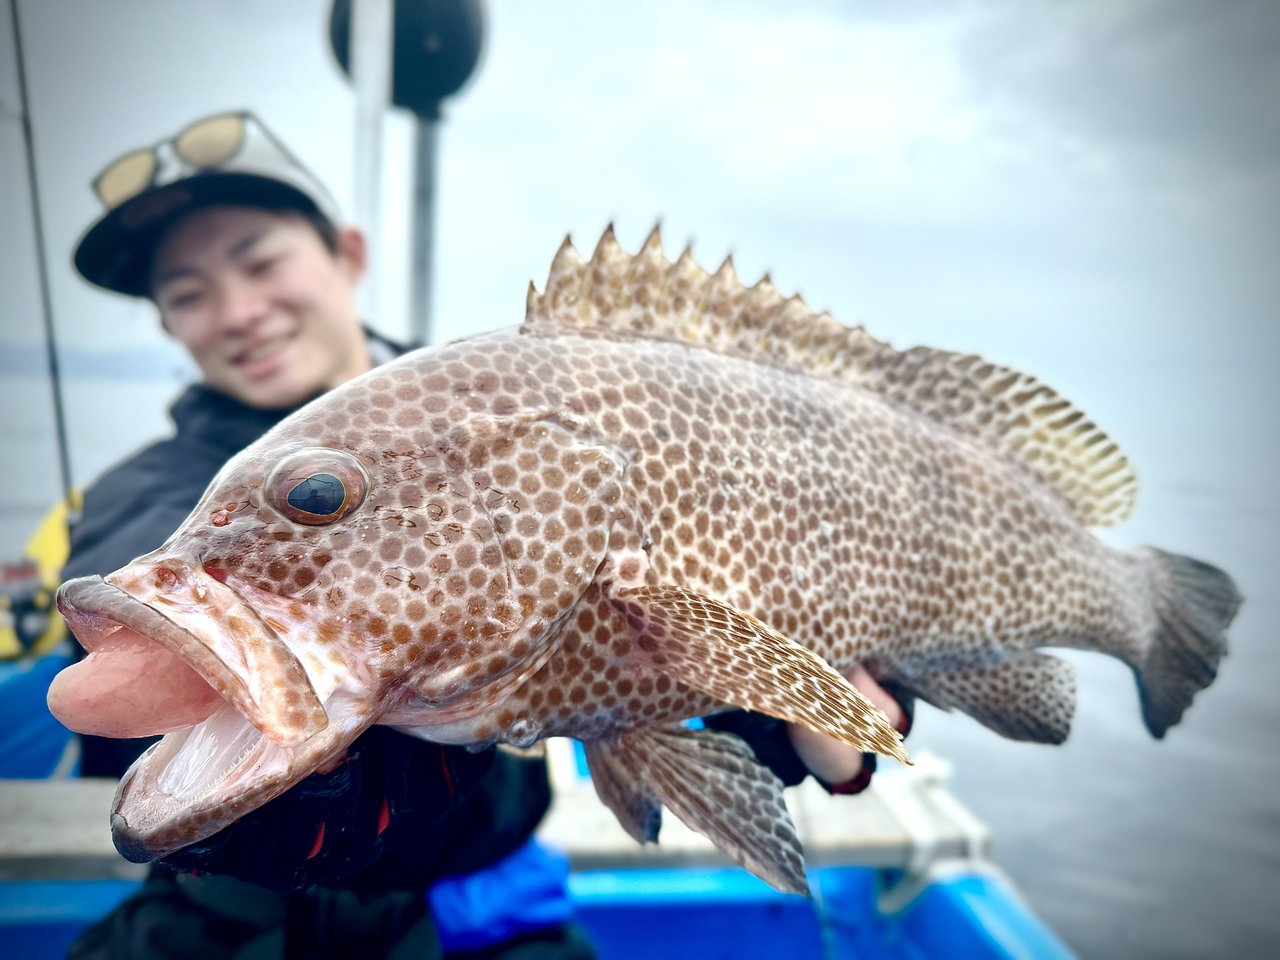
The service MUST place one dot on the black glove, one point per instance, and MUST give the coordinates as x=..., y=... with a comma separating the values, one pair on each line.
x=332, y=827
x=768, y=740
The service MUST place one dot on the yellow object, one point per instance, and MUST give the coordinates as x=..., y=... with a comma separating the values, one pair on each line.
x=48, y=547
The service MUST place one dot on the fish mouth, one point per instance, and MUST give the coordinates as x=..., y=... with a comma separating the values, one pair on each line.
x=265, y=731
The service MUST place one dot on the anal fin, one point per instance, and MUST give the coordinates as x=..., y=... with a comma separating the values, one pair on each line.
x=712, y=647
x=712, y=782
x=618, y=777
x=1029, y=697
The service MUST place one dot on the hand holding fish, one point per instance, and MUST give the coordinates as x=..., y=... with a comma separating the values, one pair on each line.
x=665, y=494
x=834, y=761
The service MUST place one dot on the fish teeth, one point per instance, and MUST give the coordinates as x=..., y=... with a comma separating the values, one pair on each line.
x=208, y=753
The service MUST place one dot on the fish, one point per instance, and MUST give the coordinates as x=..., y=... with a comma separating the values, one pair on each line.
x=663, y=495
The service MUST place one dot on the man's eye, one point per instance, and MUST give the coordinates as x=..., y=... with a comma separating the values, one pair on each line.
x=181, y=301
x=260, y=268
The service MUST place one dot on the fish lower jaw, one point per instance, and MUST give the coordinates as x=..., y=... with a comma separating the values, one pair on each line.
x=198, y=780
x=190, y=784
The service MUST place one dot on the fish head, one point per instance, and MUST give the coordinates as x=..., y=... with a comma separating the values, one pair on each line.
x=320, y=587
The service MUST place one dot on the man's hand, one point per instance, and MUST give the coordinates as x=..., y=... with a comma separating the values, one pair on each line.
x=828, y=758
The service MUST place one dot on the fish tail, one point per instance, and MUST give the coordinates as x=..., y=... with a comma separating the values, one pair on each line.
x=1194, y=604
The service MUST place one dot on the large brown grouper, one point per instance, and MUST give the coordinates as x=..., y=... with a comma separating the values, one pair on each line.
x=664, y=494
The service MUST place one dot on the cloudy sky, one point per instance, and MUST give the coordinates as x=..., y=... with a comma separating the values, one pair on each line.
x=1089, y=191
x=1053, y=184
x=931, y=169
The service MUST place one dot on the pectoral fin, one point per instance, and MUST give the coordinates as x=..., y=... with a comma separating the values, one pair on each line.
x=710, y=646
x=712, y=782
x=1030, y=697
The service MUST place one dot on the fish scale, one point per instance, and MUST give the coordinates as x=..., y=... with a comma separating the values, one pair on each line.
x=664, y=495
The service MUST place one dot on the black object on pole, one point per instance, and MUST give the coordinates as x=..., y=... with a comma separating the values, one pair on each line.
x=435, y=48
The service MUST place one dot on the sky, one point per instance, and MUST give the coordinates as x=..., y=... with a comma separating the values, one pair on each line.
x=1087, y=191
x=1056, y=185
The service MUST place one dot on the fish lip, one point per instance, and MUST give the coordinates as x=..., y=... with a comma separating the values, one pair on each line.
x=128, y=847
x=159, y=809
x=85, y=601
x=82, y=601
x=88, y=603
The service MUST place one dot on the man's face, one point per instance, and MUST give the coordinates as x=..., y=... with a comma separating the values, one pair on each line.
x=264, y=307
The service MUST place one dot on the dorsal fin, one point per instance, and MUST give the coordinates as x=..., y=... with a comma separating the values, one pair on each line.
x=649, y=296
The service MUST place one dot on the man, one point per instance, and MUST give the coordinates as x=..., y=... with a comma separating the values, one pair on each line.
x=241, y=251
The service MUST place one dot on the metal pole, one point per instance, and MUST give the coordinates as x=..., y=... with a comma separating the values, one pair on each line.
x=424, y=216
x=370, y=56
x=42, y=266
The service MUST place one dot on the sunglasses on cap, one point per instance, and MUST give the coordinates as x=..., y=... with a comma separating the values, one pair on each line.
x=205, y=145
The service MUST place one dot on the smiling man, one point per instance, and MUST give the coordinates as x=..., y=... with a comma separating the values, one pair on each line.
x=245, y=257
x=263, y=302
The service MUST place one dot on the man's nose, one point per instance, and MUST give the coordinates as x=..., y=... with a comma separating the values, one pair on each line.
x=241, y=305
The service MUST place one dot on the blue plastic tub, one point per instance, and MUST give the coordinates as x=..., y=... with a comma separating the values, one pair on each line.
x=677, y=915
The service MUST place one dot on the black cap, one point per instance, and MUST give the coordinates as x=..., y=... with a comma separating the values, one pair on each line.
x=115, y=252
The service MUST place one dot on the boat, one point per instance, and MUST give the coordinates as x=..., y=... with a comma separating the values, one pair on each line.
x=900, y=872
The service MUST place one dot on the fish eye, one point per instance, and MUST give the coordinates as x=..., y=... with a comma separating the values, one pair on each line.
x=321, y=494
x=317, y=487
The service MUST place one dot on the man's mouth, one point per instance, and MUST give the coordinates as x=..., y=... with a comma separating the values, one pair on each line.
x=261, y=358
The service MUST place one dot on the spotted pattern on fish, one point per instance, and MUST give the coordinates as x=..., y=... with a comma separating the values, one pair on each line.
x=663, y=495
x=855, y=527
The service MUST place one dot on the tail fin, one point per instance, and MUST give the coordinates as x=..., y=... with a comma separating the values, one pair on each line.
x=1195, y=602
